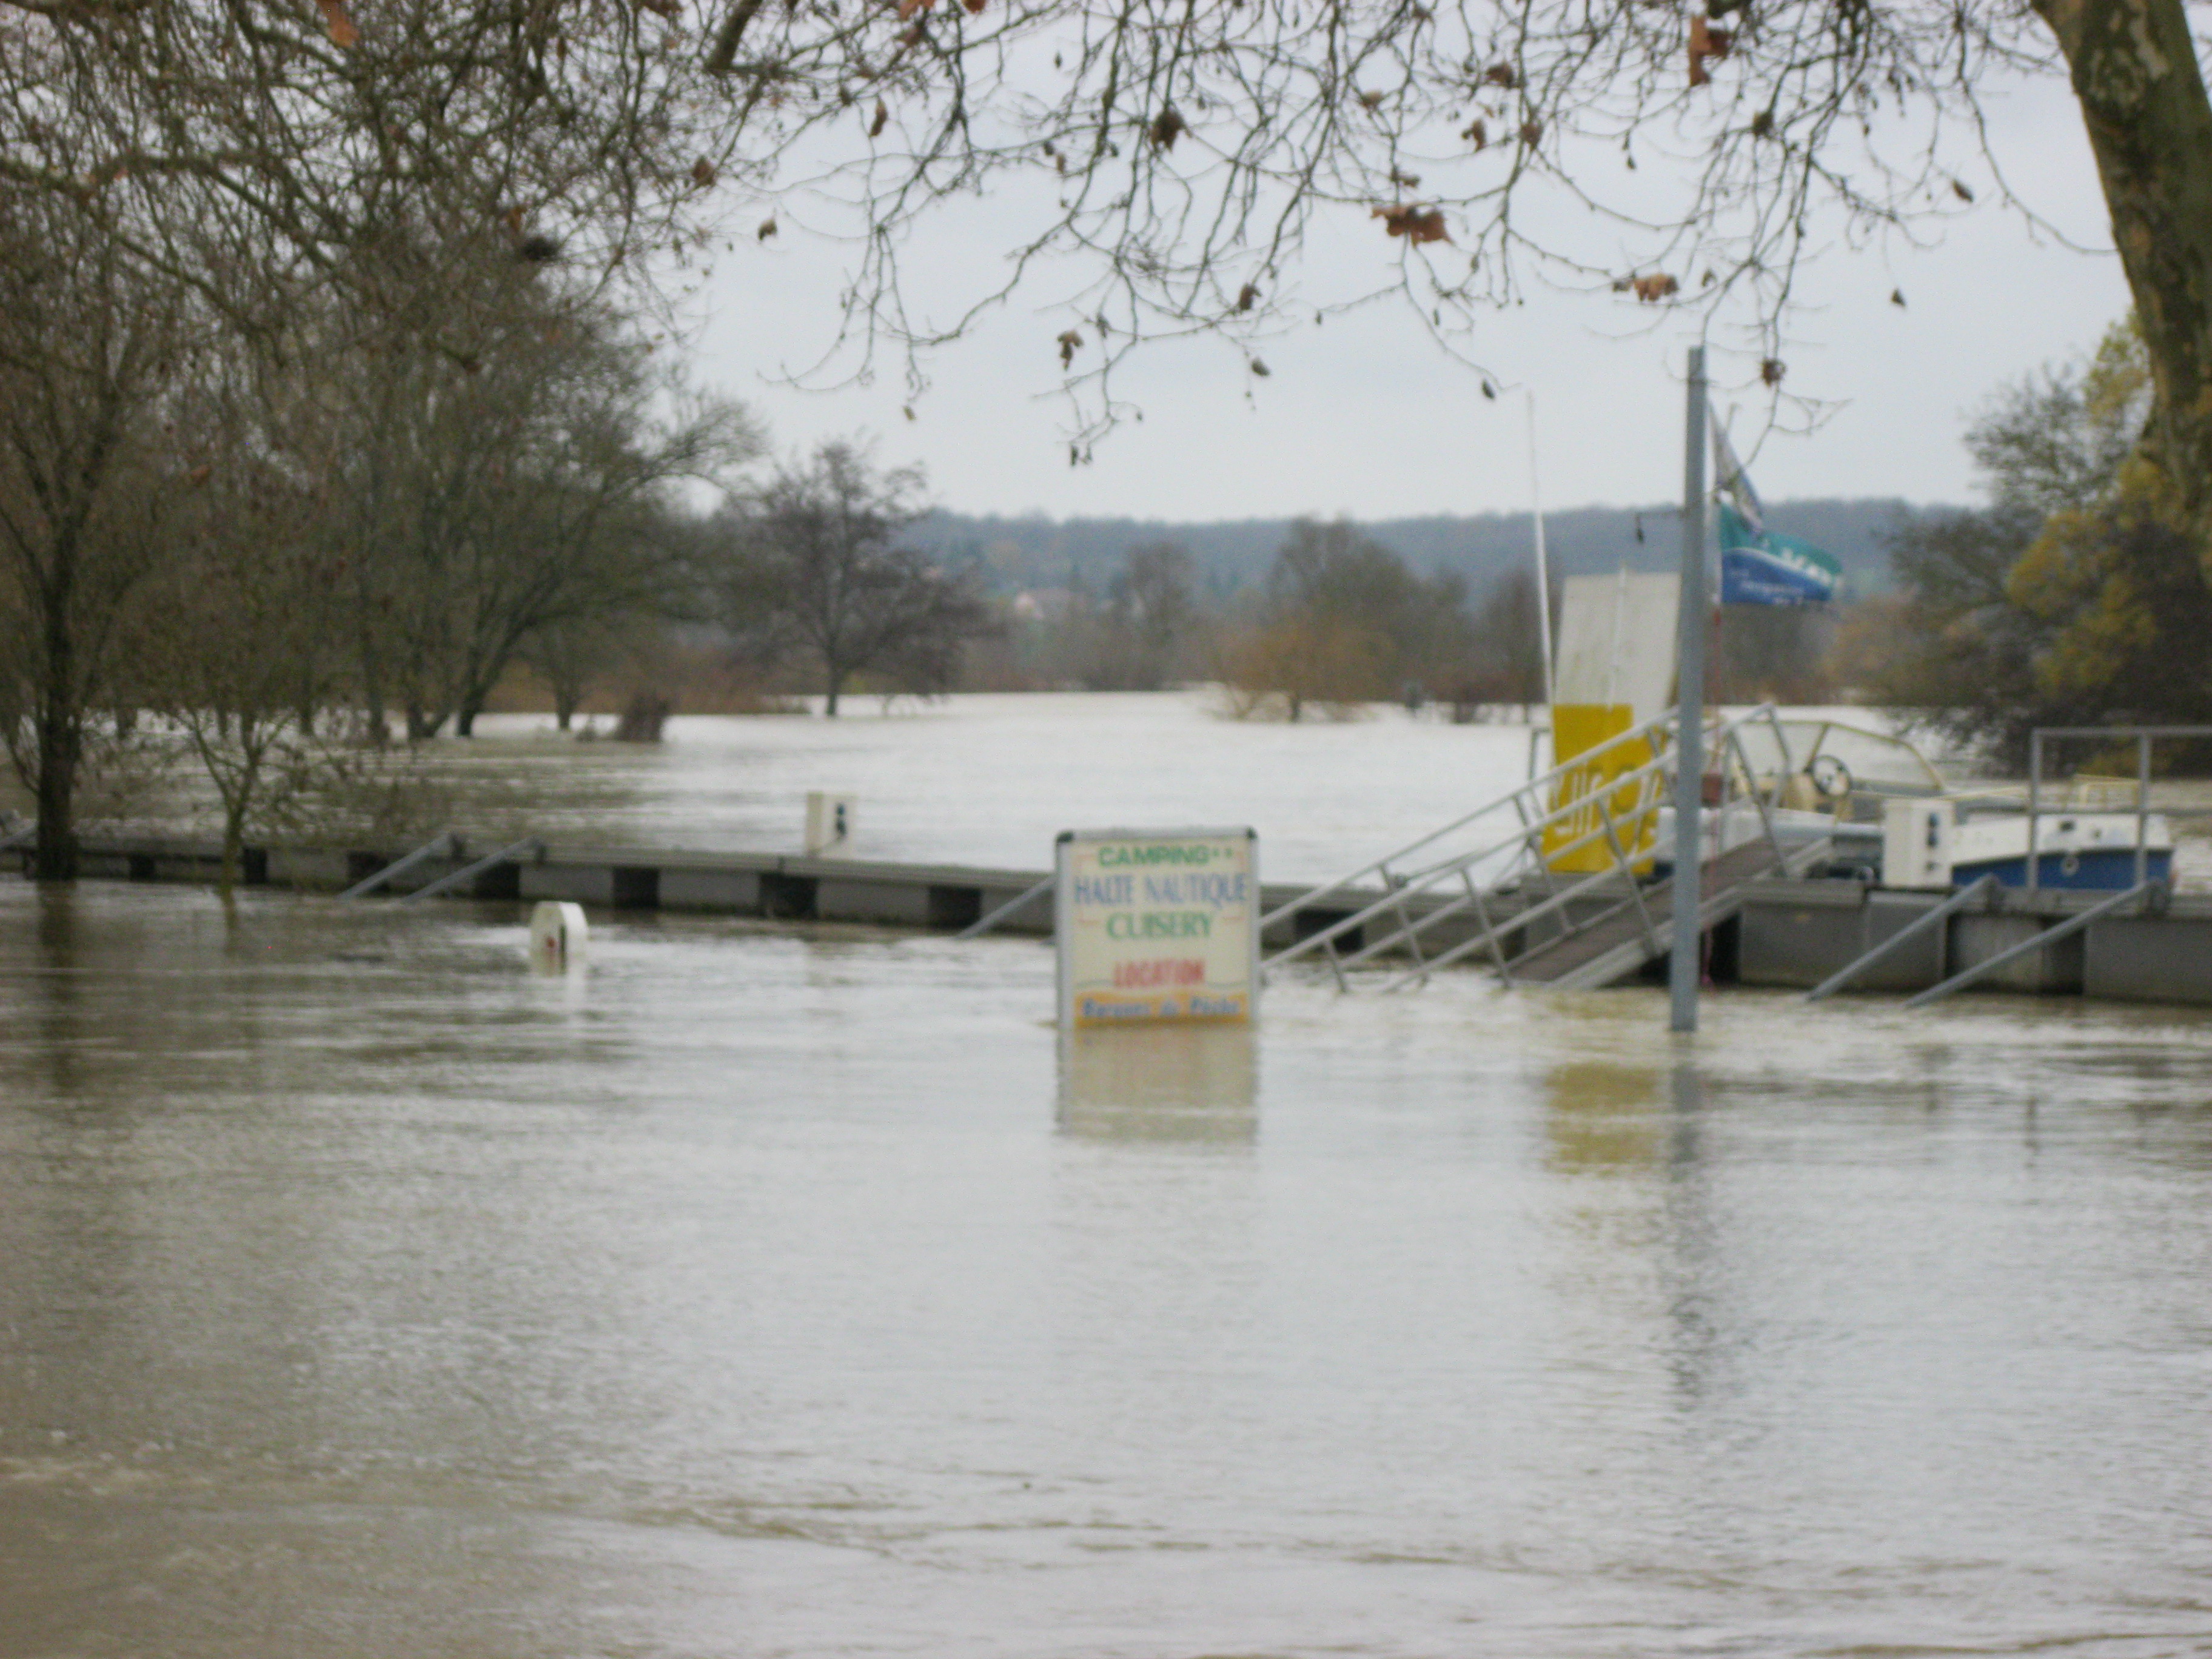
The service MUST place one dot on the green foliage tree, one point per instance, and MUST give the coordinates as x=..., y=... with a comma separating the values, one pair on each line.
x=2076, y=598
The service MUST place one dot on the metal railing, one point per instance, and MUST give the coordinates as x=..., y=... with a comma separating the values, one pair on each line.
x=1580, y=805
x=2143, y=737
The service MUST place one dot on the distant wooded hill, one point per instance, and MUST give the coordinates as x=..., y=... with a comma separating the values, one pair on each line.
x=1038, y=552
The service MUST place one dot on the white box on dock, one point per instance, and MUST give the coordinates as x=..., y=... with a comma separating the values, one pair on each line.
x=1917, y=842
x=828, y=823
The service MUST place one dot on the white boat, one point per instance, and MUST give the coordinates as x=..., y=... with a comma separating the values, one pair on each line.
x=2084, y=850
x=1822, y=778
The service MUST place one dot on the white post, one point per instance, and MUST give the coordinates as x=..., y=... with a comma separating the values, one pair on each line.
x=1684, y=966
x=1543, y=565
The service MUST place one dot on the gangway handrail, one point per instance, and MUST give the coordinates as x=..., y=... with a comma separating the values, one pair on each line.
x=445, y=842
x=1381, y=866
x=1709, y=907
x=1919, y=925
x=2073, y=923
x=447, y=883
x=1529, y=832
x=1721, y=727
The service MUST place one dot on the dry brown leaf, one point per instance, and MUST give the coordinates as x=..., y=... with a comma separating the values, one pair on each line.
x=974, y=7
x=1653, y=288
x=1405, y=180
x=339, y=25
x=1532, y=132
x=703, y=173
x=907, y=8
x=1069, y=342
x=1476, y=133
x=1706, y=42
x=1260, y=368
x=911, y=34
x=767, y=228
x=1897, y=298
x=1246, y=295
x=1167, y=126
x=1771, y=371
x=1415, y=224
x=1370, y=101
x=671, y=10
x=1501, y=75
x=882, y=118
x=1959, y=190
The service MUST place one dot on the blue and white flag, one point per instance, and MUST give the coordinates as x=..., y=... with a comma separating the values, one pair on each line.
x=1760, y=565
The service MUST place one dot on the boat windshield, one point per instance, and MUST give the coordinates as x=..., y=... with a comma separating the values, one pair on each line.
x=1872, y=763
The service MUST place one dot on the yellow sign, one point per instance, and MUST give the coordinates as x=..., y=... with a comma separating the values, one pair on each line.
x=1578, y=842
x=1157, y=925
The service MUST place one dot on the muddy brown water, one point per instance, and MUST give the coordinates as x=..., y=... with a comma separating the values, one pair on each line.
x=762, y=1291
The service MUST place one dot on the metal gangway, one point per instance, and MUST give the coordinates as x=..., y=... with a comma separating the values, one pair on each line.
x=1552, y=883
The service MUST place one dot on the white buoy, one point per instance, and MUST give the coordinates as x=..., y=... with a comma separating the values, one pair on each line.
x=558, y=936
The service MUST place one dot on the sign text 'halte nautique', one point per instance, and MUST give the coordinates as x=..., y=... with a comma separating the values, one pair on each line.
x=1157, y=925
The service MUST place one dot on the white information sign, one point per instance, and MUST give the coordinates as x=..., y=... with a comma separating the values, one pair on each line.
x=1157, y=925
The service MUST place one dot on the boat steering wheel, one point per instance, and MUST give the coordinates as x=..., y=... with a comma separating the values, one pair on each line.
x=1830, y=776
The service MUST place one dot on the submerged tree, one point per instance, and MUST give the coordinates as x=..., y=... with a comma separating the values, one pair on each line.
x=92, y=350
x=813, y=566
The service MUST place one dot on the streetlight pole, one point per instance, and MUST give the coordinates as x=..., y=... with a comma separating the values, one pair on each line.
x=1684, y=963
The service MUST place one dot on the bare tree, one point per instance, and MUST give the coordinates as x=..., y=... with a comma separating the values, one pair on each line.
x=1345, y=621
x=236, y=647
x=1171, y=160
x=814, y=565
x=90, y=350
x=529, y=483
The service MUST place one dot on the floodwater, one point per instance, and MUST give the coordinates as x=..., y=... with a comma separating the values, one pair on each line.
x=989, y=779
x=767, y=1291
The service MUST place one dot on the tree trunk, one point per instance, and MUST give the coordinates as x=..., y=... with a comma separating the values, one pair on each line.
x=60, y=745
x=2142, y=99
x=60, y=728
x=234, y=850
x=836, y=684
x=465, y=721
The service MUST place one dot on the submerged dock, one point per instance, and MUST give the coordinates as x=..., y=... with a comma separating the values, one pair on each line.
x=1787, y=933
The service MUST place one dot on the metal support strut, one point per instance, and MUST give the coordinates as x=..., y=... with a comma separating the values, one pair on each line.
x=1934, y=918
x=469, y=872
x=444, y=844
x=2073, y=923
x=983, y=925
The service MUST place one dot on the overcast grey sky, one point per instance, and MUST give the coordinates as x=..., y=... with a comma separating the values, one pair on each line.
x=1365, y=416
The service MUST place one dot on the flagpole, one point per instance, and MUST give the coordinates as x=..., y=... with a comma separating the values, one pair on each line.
x=1684, y=966
x=1543, y=566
